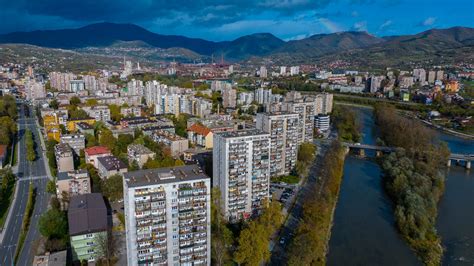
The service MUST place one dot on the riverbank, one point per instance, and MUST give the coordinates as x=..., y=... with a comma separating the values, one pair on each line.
x=310, y=244
x=427, y=123
x=413, y=179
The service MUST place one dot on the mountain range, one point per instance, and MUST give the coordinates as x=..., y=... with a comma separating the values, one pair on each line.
x=358, y=46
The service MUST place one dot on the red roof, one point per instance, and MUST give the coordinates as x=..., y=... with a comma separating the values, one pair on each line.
x=199, y=129
x=96, y=150
x=3, y=151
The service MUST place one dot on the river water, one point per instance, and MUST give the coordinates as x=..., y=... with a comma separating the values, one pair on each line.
x=364, y=231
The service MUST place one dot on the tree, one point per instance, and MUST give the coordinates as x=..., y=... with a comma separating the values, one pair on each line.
x=51, y=187
x=30, y=146
x=54, y=202
x=92, y=102
x=221, y=236
x=53, y=224
x=115, y=113
x=253, y=245
x=113, y=188
x=106, y=247
x=54, y=104
x=75, y=101
x=107, y=139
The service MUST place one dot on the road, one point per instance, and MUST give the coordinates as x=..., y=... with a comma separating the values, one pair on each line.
x=34, y=172
x=280, y=250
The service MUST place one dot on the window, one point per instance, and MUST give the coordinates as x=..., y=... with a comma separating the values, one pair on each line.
x=89, y=235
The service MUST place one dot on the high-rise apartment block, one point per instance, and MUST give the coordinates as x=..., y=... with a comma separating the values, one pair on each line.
x=241, y=162
x=306, y=110
x=167, y=216
x=283, y=128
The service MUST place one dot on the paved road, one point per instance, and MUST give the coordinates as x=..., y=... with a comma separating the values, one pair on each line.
x=34, y=172
x=280, y=250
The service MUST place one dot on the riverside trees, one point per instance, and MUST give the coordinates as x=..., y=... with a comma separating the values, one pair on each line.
x=414, y=180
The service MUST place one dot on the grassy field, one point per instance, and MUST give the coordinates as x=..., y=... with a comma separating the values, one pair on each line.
x=289, y=179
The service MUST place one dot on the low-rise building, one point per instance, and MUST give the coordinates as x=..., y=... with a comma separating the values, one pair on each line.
x=132, y=111
x=109, y=166
x=73, y=183
x=139, y=153
x=87, y=217
x=93, y=153
x=64, y=157
x=200, y=135
x=99, y=112
x=72, y=124
x=51, y=259
x=176, y=144
x=85, y=128
x=76, y=141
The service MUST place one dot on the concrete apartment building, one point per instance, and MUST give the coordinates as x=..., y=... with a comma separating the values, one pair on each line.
x=306, y=110
x=93, y=153
x=139, y=153
x=167, y=216
x=76, y=141
x=176, y=144
x=64, y=157
x=283, y=128
x=324, y=103
x=87, y=218
x=109, y=166
x=241, y=169
x=99, y=112
x=73, y=183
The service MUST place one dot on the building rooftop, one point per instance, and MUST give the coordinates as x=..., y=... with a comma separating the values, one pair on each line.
x=51, y=259
x=271, y=114
x=62, y=149
x=111, y=163
x=72, y=174
x=139, y=149
x=96, y=150
x=164, y=175
x=84, y=126
x=87, y=213
x=199, y=129
x=168, y=135
x=241, y=133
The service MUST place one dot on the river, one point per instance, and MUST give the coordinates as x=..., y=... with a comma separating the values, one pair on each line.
x=364, y=233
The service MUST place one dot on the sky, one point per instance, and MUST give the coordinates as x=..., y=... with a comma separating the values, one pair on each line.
x=227, y=20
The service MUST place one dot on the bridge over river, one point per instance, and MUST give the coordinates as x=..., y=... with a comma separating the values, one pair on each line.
x=457, y=157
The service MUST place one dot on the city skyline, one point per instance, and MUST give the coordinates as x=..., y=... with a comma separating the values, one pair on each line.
x=219, y=21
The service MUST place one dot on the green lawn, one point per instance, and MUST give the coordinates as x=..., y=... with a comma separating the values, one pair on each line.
x=289, y=179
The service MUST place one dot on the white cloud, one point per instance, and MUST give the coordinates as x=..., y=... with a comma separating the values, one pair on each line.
x=429, y=21
x=360, y=26
x=386, y=24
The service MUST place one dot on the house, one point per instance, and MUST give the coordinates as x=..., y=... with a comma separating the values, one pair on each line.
x=139, y=154
x=200, y=135
x=73, y=183
x=88, y=226
x=109, y=166
x=93, y=153
x=64, y=157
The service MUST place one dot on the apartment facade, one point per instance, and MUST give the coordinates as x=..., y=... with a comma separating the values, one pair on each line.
x=87, y=218
x=73, y=183
x=176, y=144
x=283, y=128
x=306, y=111
x=139, y=153
x=241, y=169
x=64, y=157
x=167, y=216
